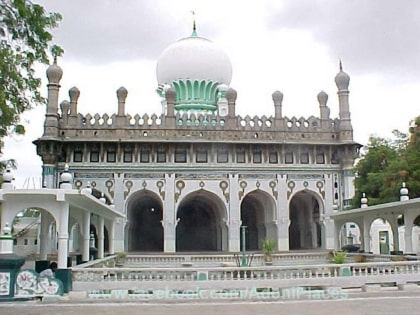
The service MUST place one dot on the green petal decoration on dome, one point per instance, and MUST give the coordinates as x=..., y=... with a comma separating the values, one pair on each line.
x=195, y=95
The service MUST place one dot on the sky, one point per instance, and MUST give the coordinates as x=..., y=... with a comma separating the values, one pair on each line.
x=293, y=46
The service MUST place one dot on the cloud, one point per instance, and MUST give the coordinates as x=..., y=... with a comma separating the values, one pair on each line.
x=372, y=36
x=104, y=31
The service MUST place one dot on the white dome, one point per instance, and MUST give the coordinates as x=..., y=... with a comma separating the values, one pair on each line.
x=193, y=58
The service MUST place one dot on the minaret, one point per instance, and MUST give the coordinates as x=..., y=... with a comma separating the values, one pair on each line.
x=342, y=81
x=54, y=74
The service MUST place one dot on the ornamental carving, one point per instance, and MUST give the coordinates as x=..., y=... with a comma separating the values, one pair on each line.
x=224, y=186
x=180, y=185
x=291, y=185
x=242, y=185
x=159, y=185
x=274, y=192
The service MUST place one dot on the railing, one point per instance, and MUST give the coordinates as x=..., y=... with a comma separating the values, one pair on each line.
x=184, y=278
x=217, y=260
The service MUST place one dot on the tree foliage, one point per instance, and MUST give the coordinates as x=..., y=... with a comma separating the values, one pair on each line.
x=25, y=39
x=387, y=164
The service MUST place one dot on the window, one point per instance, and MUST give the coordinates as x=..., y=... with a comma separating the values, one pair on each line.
x=77, y=155
x=334, y=158
x=180, y=156
x=257, y=156
x=304, y=158
x=240, y=156
x=222, y=156
x=272, y=157
x=201, y=156
x=288, y=158
x=144, y=156
x=25, y=241
x=128, y=155
x=94, y=155
x=320, y=158
x=111, y=155
x=161, y=156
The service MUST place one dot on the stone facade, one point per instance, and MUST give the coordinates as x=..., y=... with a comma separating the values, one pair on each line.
x=187, y=179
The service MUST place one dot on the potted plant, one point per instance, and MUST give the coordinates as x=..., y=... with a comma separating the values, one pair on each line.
x=268, y=247
x=340, y=258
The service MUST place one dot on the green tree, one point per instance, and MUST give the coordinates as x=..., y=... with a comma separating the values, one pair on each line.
x=387, y=164
x=370, y=169
x=413, y=159
x=25, y=39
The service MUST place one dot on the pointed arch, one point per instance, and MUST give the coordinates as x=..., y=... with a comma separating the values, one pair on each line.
x=144, y=230
x=258, y=210
x=306, y=230
x=201, y=224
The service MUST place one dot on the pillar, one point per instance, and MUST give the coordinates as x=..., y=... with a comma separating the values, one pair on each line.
x=169, y=216
x=395, y=237
x=44, y=239
x=366, y=234
x=111, y=236
x=101, y=237
x=86, y=236
x=63, y=236
x=234, y=222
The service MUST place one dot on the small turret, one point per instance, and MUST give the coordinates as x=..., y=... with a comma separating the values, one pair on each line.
x=54, y=75
x=66, y=178
x=363, y=201
x=342, y=81
x=404, y=193
x=323, y=108
x=74, y=94
x=121, y=96
x=231, y=96
x=278, y=103
x=7, y=179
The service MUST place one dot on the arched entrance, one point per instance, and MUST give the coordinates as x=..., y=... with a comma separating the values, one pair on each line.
x=381, y=237
x=349, y=237
x=305, y=228
x=144, y=231
x=201, y=225
x=257, y=214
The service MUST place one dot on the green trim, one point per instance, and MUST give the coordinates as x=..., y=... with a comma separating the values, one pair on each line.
x=196, y=95
x=48, y=170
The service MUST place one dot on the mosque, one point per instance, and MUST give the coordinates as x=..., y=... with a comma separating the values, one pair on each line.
x=188, y=179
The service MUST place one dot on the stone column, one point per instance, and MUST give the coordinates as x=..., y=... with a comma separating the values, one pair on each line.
x=395, y=237
x=408, y=233
x=63, y=236
x=44, y=240
x=86, y=236
x=235, y=222
x=111, y=236
x=169, y=215
x=100, y=237
x=366, y=235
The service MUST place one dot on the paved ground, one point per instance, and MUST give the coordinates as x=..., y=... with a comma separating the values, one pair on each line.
x=361, y=303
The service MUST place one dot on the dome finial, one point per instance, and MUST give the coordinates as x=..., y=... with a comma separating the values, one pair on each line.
x=341, y=65
x=194, y=32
